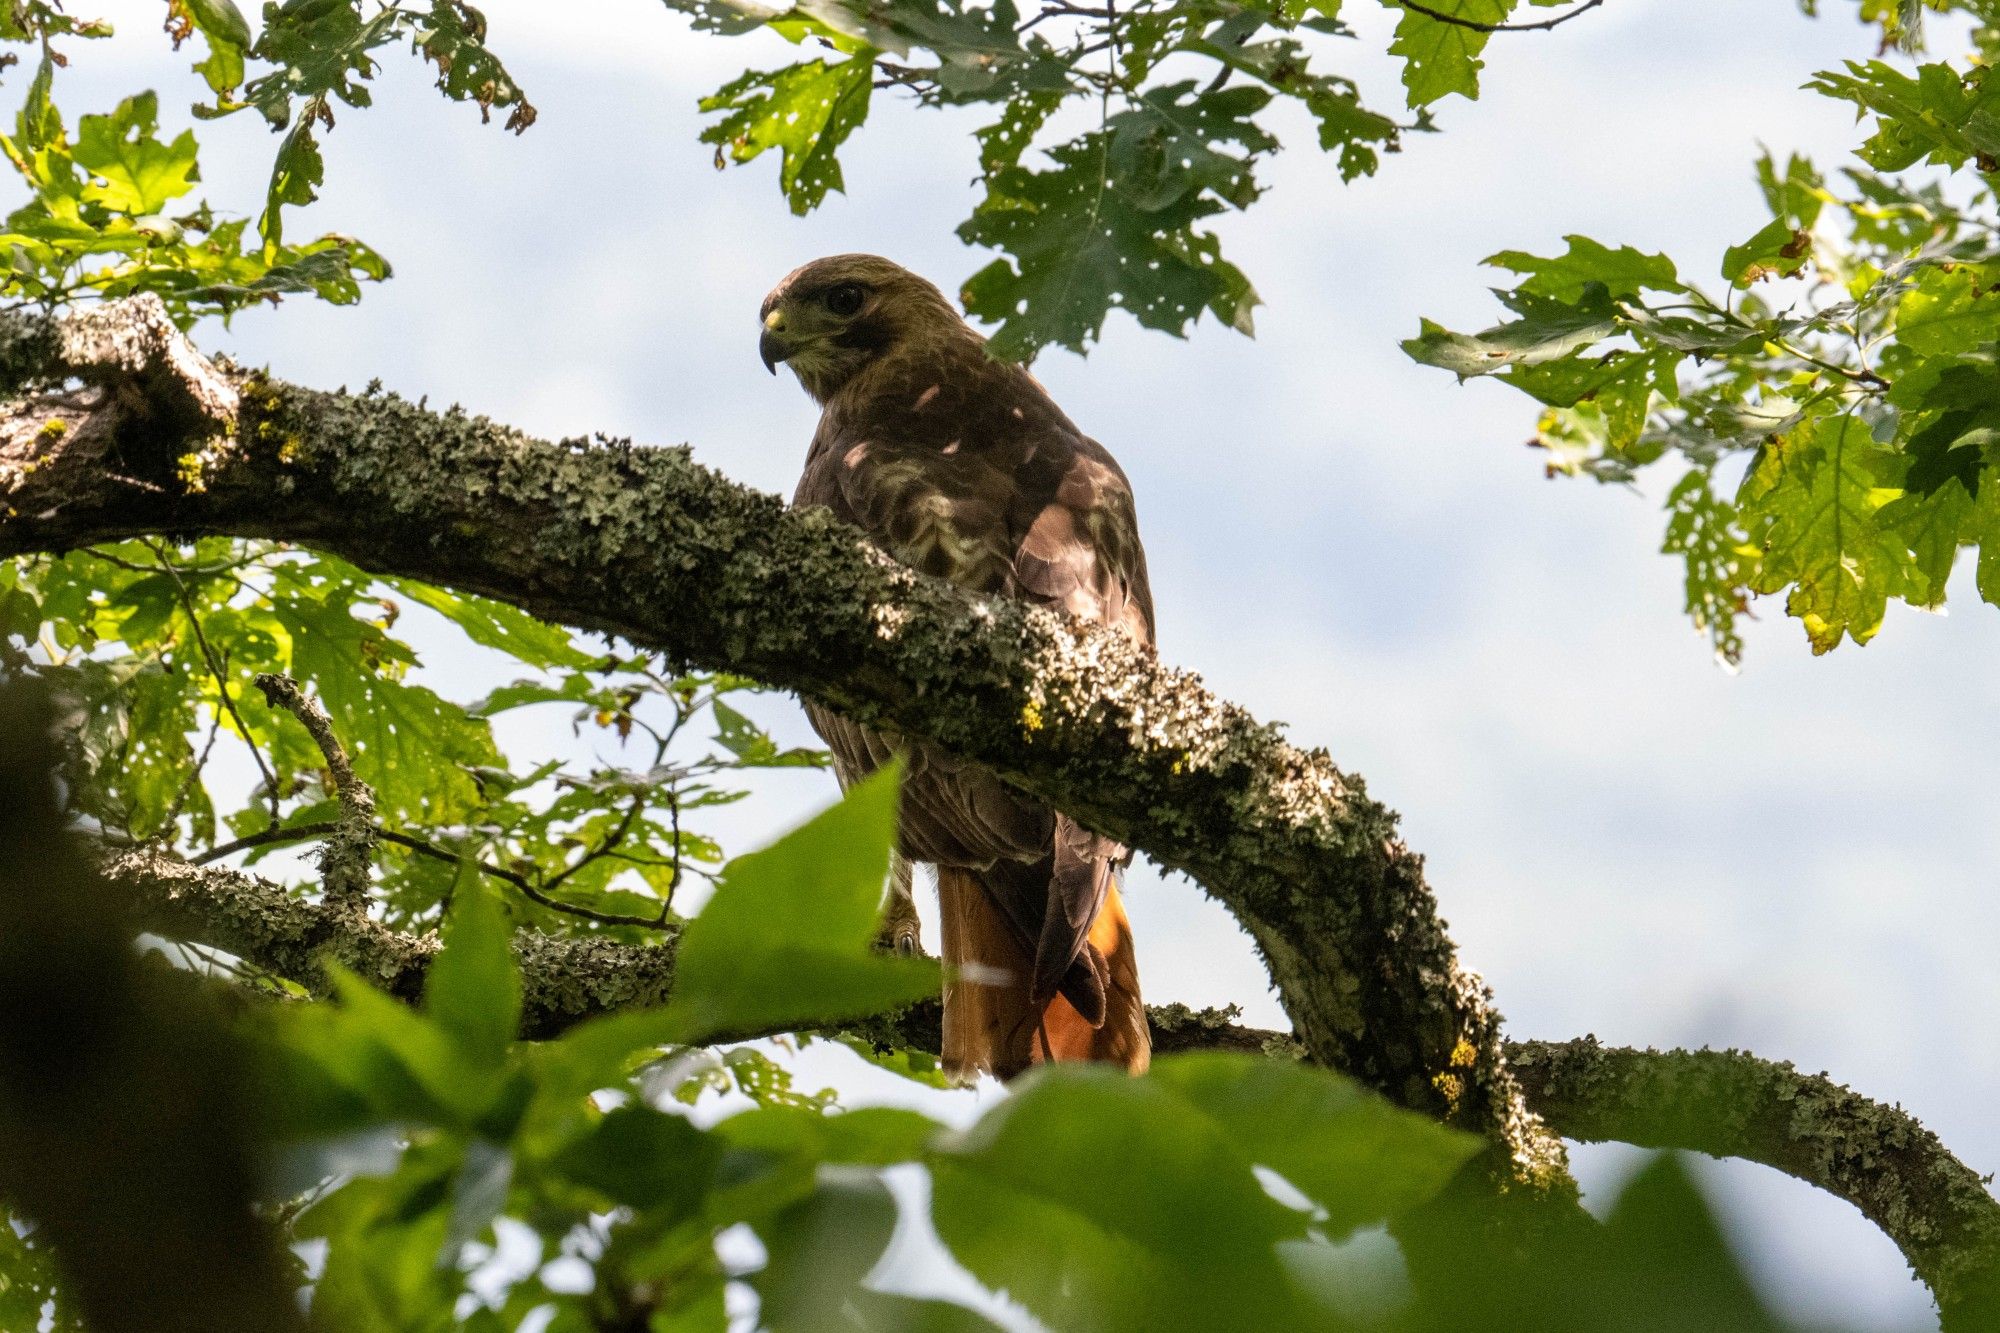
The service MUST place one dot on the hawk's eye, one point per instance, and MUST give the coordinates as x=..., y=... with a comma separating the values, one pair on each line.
x=845, y=299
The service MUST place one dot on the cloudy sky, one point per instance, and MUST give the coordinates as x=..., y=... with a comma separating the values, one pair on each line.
x=1797, y=860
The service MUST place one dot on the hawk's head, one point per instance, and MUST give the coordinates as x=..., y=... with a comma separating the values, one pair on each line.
x=835, y=317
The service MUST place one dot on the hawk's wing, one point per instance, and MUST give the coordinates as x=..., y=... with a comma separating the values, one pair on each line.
x=994, y=490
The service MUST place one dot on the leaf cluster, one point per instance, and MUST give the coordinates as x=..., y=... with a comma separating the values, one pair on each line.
x=155, y=648
x=614, y=1177
x=1828, y=414
x=1120, y=133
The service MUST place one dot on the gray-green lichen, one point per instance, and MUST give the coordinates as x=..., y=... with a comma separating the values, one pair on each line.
x=1726, y=1103
x=648, y=545
x=564, y=981
x=1733, y=1104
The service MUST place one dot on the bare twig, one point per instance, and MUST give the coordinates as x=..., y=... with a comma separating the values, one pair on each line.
x=609, y=843
x=188, y=783
x=1455, y=21
x=409, y=842
x=349, y=856
x=527, y=886
x=216, y=671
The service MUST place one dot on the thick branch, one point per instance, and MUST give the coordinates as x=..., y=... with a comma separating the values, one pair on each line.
x=1732, y=1104
x=1723, y=1103
x=645, y=544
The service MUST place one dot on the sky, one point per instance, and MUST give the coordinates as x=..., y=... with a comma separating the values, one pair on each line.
x=1797, y=860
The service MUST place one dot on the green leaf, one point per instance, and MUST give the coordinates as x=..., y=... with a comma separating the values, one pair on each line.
x=820, y=1248
x=477, y=1195
x=806, y=111
x=403, y=1063
x=644, y=1159
x=473, y=988
x=1667, y=1252
x=1351, y=1152
x=223, y=27
x=1549, y=329
x=296, y=175
x=1717, y=558
x=753, y=748
x=1938, y=114
x=134, y=172
x=787, y=937
x=408, y=743
x=1948, y=312
x=1146, y=1213
x=865, y=1136
x=1623, y=272
x=1984, y=526
x=1112, y=226
x=497, y=625
x=1812, y=499
x=1777, y=249
x=1443, y=58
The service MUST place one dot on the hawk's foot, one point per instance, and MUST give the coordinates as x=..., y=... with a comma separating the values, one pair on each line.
x=900, y=933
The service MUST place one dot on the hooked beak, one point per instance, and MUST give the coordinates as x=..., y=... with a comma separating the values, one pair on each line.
x=771, y=345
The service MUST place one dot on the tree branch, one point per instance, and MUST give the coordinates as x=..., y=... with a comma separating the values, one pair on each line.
x=1732, y=1104
x=1455, y=21
x=564, y=980
x=1722, y=1103
x=645, y=544
x=347, y=858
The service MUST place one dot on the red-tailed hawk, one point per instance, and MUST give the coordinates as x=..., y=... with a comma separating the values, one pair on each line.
x=963, y=467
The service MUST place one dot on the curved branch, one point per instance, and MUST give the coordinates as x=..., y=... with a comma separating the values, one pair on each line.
x=1732, y=1104
x=1455, y=21
x=645, y=544
x=1723, y=1103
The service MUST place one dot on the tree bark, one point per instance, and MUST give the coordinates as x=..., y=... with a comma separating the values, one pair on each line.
x=1723, y=1103
x=647, y=545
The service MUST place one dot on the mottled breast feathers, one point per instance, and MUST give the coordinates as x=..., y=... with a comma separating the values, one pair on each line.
x=963, y=467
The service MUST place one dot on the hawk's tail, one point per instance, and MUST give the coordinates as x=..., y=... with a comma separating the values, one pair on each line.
x=990, y=1022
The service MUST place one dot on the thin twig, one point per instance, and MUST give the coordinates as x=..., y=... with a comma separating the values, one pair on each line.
x=1457, y=22
x=215, y=670
x=526, y=886
x=179, y=803
x=308, y=832
x=1060, y=10
x=350, y=847
x=609, y=843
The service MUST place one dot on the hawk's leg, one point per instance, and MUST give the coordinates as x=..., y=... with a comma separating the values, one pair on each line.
x=901, y=932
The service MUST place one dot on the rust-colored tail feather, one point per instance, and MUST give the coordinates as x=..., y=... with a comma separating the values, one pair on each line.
x=990, y=1023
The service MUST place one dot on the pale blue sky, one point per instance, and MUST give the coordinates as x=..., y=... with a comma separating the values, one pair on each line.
x=1798, y=860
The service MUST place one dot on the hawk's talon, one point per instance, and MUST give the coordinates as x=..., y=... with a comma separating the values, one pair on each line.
x=901, y=937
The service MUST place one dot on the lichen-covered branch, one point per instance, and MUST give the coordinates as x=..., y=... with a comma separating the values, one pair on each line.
x=1723, y=1103
x=349, y=851
x=1732, y=1104
x=564, y=980
x=646, y=544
